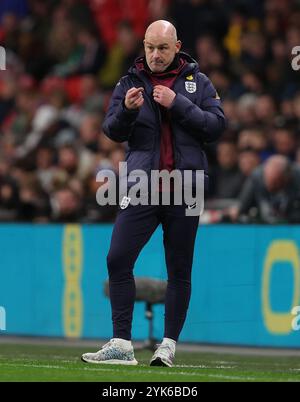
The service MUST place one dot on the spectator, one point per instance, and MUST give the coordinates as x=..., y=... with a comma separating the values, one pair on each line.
x=9, y=199
x=265, y=110
x=94, y=211
x=34, y=202
x=94, y=52
x=45, y=167
x=91, y=97
x=121, y=56
x=249, y=160
x=66, y=206
x=7, y=98
x=72, y=164
x=284, y=142
x=254, y=139
x=64, y=49
x=227, y=178
x=89, y=132
x=272, y=193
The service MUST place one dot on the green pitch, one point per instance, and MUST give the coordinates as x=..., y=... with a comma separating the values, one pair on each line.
x=53, y=363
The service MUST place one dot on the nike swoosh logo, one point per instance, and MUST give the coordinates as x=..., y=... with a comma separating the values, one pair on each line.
x=192, y=206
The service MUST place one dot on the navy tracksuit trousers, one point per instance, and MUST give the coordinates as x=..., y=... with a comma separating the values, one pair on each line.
x=132, y=230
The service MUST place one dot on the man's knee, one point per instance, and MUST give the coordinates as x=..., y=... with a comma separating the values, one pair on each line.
x=113, y=260
x=179, y=271
x=118, y=261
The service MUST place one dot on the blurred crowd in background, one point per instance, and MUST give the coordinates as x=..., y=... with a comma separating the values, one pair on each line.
x=63, y=59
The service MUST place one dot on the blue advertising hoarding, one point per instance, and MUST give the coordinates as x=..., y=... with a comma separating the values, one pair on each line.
x=246, y=281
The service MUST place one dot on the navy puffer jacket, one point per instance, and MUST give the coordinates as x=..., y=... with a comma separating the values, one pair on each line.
x=196, y=114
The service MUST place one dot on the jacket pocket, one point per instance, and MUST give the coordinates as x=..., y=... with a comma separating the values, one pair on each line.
x=137, y=159
x=191, y=158
x=142, y=138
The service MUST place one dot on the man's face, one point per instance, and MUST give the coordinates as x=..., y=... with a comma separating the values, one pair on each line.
x=227, y=155
x=275, y=179
x=160, y=51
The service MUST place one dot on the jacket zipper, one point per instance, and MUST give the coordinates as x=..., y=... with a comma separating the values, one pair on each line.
x=175, y=152
x=158, y=137
x=158, y=119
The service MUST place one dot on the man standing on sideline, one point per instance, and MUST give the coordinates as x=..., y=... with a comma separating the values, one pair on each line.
x=166, y=110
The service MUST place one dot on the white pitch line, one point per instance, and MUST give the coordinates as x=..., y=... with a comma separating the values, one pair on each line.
x=96, y=369
x=101, y=369
x=203, y=366
x=163, y=373
x=31, y=365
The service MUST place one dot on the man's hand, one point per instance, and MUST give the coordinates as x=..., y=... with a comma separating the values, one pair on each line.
x=163, y=95
x=233, y=213
x=134, y=98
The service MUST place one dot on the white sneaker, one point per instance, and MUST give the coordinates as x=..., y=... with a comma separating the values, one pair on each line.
x=113, y=352
x=163, y=356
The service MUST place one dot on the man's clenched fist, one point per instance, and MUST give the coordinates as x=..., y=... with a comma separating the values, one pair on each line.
x=163, y=95
x=134, y=98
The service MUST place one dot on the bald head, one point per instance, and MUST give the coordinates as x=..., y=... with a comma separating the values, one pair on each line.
x=162, y=28
x=161, y=45
x=276, y=172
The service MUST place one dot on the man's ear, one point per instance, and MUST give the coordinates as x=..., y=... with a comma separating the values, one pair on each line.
x=178, y=46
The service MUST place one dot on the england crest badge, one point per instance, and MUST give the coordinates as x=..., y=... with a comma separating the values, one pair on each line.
x=191, y=87
x=125, y=202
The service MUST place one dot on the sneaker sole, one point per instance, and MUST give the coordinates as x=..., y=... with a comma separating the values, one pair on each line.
x=159, y=362
x=119, y=362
